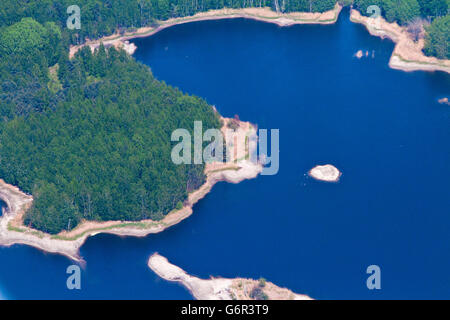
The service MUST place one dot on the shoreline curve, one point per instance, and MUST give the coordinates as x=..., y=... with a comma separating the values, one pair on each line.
x=263, y=14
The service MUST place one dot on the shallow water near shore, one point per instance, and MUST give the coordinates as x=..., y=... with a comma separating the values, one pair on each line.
x=383, y=128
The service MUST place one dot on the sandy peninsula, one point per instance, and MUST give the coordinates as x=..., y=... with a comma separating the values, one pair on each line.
x=221, y=288
x=240, y=142
x=264, y=14
x=328, y=173
x=407, y=54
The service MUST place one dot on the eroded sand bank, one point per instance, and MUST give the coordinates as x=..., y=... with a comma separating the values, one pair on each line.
x=220, y=288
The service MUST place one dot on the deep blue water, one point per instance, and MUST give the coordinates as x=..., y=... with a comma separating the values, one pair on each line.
x=382, y=128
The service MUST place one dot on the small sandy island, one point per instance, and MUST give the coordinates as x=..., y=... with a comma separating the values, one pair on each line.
x=407, y=55
x=240, y=143
x=326, y=172
x=221, y=288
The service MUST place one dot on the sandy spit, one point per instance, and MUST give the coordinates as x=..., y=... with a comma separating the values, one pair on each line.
x=444, y=101
x=218, y=288
x=13, y=231
x=407, y=54
x=265, y=14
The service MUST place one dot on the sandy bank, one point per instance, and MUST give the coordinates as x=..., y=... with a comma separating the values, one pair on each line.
x=326, y=172
x=219, y=288
x=407, y=54
x=13, y=231
x=265, y=14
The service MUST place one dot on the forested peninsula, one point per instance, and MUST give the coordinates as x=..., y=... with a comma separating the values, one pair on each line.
x=89, y=136
x=221, y=288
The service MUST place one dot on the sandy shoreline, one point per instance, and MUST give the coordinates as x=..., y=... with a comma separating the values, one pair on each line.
x=407, y=54
x=264, y=14
x=219, y=288
x=12, y=230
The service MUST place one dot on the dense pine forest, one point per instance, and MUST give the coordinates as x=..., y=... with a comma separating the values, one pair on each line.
x=89, y=137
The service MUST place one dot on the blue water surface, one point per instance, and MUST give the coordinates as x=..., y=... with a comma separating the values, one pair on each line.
x=383, y=128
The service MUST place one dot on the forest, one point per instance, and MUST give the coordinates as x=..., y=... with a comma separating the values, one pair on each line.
x=89, y=137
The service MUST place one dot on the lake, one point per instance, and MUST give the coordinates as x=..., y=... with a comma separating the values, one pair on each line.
x=383, y=128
